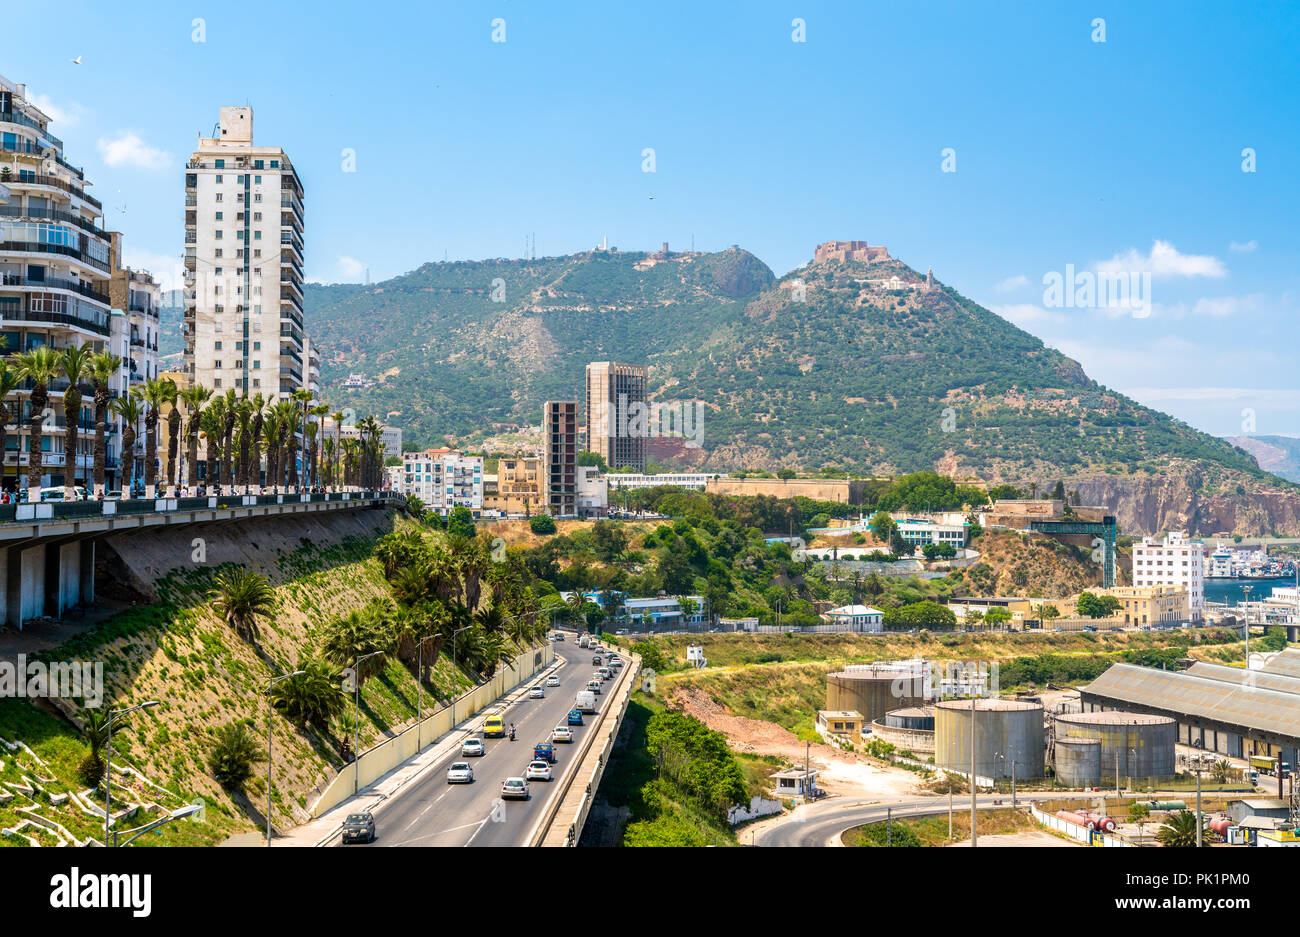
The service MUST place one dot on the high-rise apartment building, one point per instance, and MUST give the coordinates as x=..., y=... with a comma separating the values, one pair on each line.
x=243, y=261
x=55, y=268
x=617, y=414
x=443, y=479
x=560, y=457
x=1177, y=561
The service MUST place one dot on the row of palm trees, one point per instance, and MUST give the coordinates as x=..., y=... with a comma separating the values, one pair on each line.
x=248, y=441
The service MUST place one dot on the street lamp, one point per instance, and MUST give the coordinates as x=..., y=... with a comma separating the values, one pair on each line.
x=269, y=688
x=108, y=770
x=356, y=744
x=188, y=810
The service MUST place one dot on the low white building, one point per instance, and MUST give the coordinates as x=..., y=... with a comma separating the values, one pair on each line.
x=593, y=492
x=856, y=618
x=443, y=479
x=1178, y=560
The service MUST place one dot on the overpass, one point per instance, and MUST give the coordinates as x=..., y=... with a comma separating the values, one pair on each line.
x=47, y=549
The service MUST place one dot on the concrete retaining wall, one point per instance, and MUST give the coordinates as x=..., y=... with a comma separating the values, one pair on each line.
x=376, y=762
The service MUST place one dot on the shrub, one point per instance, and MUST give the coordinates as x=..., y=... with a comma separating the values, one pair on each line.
x=231, y=759
x=541, y=524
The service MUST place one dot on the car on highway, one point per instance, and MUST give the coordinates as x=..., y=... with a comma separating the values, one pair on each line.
x=605, y=673
x=558, y=636
x=597, y=660
x=544, y=751
x=574, y=717
x=514, y=789
x=359, y=828
x=460, y=773
x=537, y=771
x=471, y=748
x=494, y=727
x=537, y=692
x=561, y=734
x=614, y=662
x=594, y=686
x=552, y=680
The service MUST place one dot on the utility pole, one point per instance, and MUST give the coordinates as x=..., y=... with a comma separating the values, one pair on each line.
x=1198, y=804
x=889, y=826
x=1247, y=589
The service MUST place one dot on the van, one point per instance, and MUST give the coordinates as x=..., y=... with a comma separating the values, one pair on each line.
x=494, y=727
x=585, y=702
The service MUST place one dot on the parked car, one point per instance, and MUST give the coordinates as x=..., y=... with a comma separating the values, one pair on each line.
x=514, y=789
x=553, y=680
x=359, y=828
x=537, y=692
x=561, y=734
x=537, y=771
x=574, y=718
x=460, y=773
x=471, y=748
x=544, y=751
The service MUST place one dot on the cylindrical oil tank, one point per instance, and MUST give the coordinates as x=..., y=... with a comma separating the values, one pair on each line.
x=1136, y=745
x=1103, y=822
x=1078, y=762
x=913, y=717
x=1168, y=805
x=1006, y=731
x=1079, y=819
x=873, y=691
x=1220, y=825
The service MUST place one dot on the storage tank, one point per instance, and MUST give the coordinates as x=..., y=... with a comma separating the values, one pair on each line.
x=1168, y=805
x=1006, y=731
x=1220, y=825
x=1078, y=819
x=1139, y=745
x=1078, y=762
x=913, y=717
x=873, y=691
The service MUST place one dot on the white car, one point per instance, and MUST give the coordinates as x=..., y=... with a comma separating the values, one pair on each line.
x=552, y=680
x=537, y=692
x=594, y=686
x=537, y=771
x=460, y=773
x=516, y=788
x=471, y=748
x=561, y=734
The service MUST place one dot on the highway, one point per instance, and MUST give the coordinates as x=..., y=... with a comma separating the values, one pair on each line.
x=431, y=812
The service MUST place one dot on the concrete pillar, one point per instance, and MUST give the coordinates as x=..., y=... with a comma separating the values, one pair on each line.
x=25, y=588
x=67, y=587
x=87, y=572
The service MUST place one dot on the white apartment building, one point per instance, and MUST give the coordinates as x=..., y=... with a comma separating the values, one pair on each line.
x=593, y=492
x=444, y=478
x=1176, y=561
x=55, y=268
x=390, y=437
x=693, y=481
x=243, y=261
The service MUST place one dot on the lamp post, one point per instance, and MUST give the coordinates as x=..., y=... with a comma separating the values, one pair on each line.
x=419, y=692
x=356, y=729
x=270, y=686
x=187, y=811
x=108, y=765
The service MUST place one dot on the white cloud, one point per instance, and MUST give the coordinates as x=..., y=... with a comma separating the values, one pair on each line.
x=1012, y=283
x=1245, y=248
x=1213, y=306
x=1027, y=314
x=127, y=149
x=350, y=268
x=1164, y=260
x=61, y=117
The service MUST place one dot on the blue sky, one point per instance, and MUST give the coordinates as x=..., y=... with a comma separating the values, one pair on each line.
x=1121, y=155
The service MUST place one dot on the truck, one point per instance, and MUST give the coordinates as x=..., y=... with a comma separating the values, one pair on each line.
x=1267, y=765
x=582, y=640
x=585, y=702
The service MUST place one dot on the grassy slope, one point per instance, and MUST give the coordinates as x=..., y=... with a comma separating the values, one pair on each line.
x=204, y=676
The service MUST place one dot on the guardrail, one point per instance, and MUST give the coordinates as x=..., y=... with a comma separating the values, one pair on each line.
x=79, y=510
x=545, y=834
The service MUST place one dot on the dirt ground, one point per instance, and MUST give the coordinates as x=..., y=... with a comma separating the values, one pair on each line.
x=1031, y=839
x=838, y=772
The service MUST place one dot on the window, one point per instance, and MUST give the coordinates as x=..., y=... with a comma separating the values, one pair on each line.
x=217, y=364
x=257, y=252
x=216, y=382
x=218, y=177
x=257, y=196
x=240, y=234
x=257, y=180
x=219, y=218
x=217, y=347
x=257, y=235
x=257, y=216
x=275, y=164
x=239, y=216
x=216, y=291
x=257, y=346
x=257, y=365
x=220, y=233
x=220, y=164
x=218, y=196
x=218, y=253
x=257, y=164
x=239, y=180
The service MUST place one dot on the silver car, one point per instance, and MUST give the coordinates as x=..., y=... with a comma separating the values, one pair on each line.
x=460, y=773
x=471, y=748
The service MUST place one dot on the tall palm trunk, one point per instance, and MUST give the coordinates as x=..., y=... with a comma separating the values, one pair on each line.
x=255, y=461
x=151, y=454
x=35, y=458
x=71, y=437
x=173, y=445
x=128, y=460
x=192, y=454
x=101, y=440
x=227, y=440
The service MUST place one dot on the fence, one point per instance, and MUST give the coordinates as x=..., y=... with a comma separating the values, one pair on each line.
x=375, y=762
x=1074, y=831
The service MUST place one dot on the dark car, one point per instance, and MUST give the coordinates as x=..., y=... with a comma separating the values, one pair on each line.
x=359, y=828
x=544, y=751
x=597, y=660
x=575, y=717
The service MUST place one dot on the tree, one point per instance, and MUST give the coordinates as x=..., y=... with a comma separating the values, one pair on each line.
x=313, y=696
x=173, y=436
x=232, y=756
x=40, y=366
x=997, y=617
x=883, y=526
x=785, y=474
x=75, y=364
x=129, y=409
x=1094, y=606
x=103, y=367
x=355, y=635
x=1179, y=830
x=541, y=524
x=10, y=381
x=241, y=597
x=154, y=393
x=460, y=521
x=94, y=725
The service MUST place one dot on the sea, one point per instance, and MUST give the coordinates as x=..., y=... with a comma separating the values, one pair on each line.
x=1232, y=591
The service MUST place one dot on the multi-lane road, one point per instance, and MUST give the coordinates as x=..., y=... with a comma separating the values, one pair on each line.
x=431, y=812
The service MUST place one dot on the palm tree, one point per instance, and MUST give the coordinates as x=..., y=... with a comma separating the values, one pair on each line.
x=312, y=696
x=230, y=410
x=173, y=436
x=337, y=417
x=1179, y=829
x=241, y=597
x=154, y=393
x=130, y=409
x=255, y=459
x=328, y=456
x=40, y=366
x=194, y=398
x=10, y=381
x=273, y=428
x=212, y=424
x=76, y=366
x=291, y=424
x=102, y=369
x=317, y=432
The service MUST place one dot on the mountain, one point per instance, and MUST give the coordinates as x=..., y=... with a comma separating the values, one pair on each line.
x=171, y=310
x=854, y=362
x=1277, y=454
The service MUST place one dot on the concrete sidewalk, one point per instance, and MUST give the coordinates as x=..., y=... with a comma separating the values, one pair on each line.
x=325, y=828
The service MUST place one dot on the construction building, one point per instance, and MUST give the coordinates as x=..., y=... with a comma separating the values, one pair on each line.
x=617, y=415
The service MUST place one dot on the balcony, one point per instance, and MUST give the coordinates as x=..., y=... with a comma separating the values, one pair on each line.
x=98, y=325
x=56, y=283
x=52, y=214
x=35, y=247
x=32, y=178
x=16, y=117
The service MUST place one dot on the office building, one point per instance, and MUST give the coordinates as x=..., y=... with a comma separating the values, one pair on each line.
x=1175, y=561
x=617, y=416
x=243, y=260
